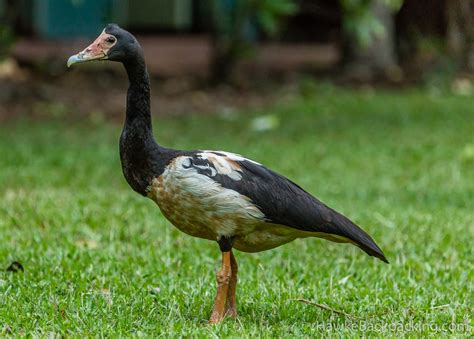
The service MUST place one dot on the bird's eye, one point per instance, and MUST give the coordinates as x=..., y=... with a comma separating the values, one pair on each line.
x=110, y=39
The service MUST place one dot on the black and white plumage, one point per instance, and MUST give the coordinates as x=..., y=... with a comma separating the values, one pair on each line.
x=214, y=195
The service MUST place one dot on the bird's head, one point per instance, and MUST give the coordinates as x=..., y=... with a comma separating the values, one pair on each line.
x=114, y=44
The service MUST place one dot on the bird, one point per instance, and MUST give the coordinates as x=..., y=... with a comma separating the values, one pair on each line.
x=214, y=195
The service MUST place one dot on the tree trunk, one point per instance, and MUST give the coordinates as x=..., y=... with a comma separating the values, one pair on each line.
x=378, y=60
x=460, y=31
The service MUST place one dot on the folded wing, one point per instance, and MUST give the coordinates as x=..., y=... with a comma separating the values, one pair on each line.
x=282, y=201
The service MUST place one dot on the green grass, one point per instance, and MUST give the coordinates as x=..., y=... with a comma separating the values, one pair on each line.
x=101, y=260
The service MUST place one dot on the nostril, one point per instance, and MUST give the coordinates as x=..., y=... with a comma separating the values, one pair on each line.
x=88, y=49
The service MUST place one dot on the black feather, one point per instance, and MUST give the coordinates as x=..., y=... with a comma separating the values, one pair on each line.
x=284, y=202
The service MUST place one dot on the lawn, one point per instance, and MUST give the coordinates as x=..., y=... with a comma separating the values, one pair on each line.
x=101, y=260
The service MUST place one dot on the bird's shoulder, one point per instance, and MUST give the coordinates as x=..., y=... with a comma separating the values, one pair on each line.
x=218, y=165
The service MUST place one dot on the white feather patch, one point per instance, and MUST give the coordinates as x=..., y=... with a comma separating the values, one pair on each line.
x=225, y=163
x=232, y=156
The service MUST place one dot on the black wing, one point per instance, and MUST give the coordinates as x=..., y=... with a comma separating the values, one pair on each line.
x=284, y=202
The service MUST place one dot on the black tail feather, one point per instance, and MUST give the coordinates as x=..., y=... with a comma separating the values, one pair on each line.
x=342, y=226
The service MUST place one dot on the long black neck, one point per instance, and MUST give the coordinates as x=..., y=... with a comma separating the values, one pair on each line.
x=142, y=158
x=138, y=116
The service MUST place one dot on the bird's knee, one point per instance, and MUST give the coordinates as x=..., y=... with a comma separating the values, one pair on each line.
x=223, y=277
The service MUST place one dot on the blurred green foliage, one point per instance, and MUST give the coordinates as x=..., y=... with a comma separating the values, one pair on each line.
x=270, y=12
x=360, y=22
x=233, y=17
x=236, y=25
x=7, y=39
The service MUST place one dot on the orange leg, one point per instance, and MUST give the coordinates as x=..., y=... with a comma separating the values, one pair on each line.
x=231, y=303
x=223, y=279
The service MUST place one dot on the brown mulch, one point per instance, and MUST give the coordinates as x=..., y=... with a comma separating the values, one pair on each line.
x=79, y=94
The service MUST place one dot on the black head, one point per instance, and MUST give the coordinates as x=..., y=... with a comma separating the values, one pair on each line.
x=114, y=43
